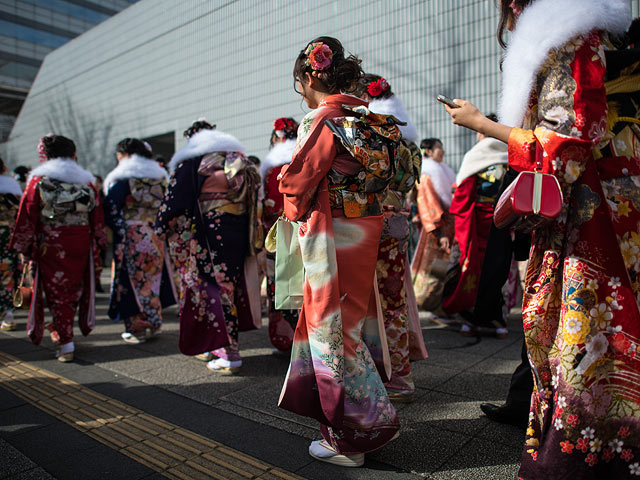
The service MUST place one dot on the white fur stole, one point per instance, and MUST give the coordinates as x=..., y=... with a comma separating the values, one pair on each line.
x=63, y=169
x=543, y=26
x=134, y=166
x=203, y=142
x=280, y=154
x=482, y=155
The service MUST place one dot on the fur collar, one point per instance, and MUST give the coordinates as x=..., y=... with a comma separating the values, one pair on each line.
x=280, y=154
x=9, y=185
x=393, y=106
x=203, y=142
x=442, y=178
x=543, y=26
x=63, y=169
x=482, y=155
x=134, y=166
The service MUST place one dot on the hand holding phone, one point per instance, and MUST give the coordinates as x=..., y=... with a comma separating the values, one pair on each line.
x=447, y=101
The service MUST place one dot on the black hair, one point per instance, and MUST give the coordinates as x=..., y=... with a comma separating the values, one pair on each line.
x=633, y=35
x=196, y=127
x=255, y=160
x=57, y=146
x=367, y=79
x=492, y=116
x=2, y=166
x=133, y=146
x=429, y=143
x=341, y=76
x=506, y=14
x=289, y=127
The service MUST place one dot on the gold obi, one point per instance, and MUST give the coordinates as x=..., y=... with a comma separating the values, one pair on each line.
x=65, y=204
x=217, y=202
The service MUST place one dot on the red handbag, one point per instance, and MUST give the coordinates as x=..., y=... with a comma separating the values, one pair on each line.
x=531, y=200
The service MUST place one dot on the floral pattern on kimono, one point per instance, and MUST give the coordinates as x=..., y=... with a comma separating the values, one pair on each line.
x=209, y=238
x=333, y=376
x=140, y=271
x=59, y=227
x=580, y=308
x=9, y=273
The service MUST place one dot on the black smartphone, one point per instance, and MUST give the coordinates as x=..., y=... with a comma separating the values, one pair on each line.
x=447, y=101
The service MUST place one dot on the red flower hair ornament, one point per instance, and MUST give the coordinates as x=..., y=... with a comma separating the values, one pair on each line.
x=319, y=56
x=283, y=125
x=376, y=88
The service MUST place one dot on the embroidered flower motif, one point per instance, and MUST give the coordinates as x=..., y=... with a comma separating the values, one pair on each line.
x=596, y=445
x=572, y=419
x=558, y=424
x=626, y=455
x=616, y=445
x=576, y=327
x=588, y=432
x=634, y=469
x=583, y=444
x=591, y=459
x=319, y=56
x=562, y=401
x=597, y=400
x=572, y=171
x=623, y=432
x=567, y=446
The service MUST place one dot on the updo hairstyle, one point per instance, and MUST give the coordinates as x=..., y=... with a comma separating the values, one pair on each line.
x=133, y=146
x=366, y=84
x=341, y=75
x=196, y=127
x=57, y=146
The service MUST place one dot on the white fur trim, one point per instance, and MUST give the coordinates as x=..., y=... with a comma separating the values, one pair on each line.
x=134, y=166
x=63, y=169
x=394, y=106
x=203, y=142
x=543, y=26
x=485, y=153
x=442, y=178
x=280, y=154
x=9, y=185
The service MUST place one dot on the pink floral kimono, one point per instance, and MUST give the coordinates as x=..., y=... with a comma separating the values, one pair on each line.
x=333, y=375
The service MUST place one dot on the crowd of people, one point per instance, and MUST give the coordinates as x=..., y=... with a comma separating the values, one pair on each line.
x=381, y=227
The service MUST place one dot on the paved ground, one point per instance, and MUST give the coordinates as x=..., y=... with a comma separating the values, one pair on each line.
x=444, y=435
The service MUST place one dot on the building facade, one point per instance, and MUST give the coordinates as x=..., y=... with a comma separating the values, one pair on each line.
x=152, y=69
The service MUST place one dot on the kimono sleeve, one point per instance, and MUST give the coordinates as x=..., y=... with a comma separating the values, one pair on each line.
x=571, y=112
x=300, y=179
x=180, y=197
x=429, y=206
x=24, y=236
x=97, y=222
x=114, y=204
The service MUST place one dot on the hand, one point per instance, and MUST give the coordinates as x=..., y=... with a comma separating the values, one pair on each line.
x=467, y=115
x=444, y=243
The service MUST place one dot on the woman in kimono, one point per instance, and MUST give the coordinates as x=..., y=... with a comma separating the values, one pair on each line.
x=334, y=189
x=398, y=302
x=10, y=194
x=209, y=215
x=133, y=194
x=282, y=323
x=580, y=308
x=59, y=227
x=431, y=258
x=477, y=186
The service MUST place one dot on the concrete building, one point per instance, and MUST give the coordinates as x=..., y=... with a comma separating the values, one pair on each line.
x=30, y=29
x=152, y=69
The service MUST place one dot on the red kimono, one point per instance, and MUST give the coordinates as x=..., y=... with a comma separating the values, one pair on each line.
x=59, y=226
x=580, y=307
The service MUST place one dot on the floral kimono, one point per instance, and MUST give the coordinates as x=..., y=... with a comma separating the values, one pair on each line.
x=282, y=323
x=133, y=194
x=10, y=194
x=580, y=307
x=209, y=217
x=478, y=183
x=337, y=200
x=430, y=262
x=59, y=227
x=401, y=322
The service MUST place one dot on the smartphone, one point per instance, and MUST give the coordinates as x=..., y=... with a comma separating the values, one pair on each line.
x=447, y=101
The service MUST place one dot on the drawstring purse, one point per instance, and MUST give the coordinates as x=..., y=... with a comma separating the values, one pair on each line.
x=530, y=201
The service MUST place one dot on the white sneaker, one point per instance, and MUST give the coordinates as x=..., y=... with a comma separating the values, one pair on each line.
x=321, y=450
x=225, y=366
x=131, y=338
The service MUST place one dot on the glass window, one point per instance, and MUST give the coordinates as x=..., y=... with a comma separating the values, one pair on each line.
x=32, y=35
x=70, y=9
x=19, y=70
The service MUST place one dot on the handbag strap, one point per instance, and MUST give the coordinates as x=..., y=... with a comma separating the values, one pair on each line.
x=539, y=154
x=24, y=274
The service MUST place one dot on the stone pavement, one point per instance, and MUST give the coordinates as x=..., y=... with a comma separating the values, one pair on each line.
x=444, y=435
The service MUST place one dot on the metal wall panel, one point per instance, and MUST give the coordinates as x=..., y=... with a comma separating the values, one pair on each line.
x=160, y=64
